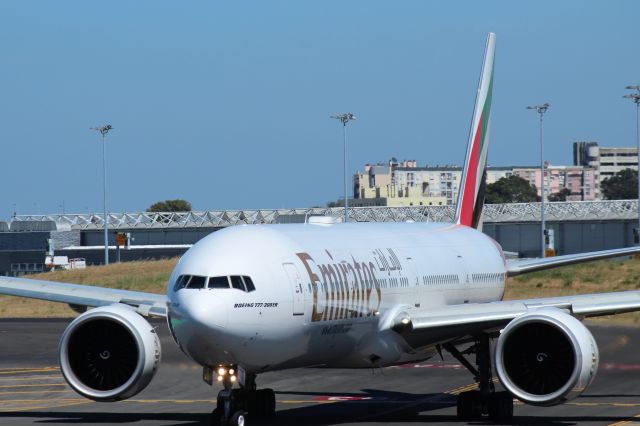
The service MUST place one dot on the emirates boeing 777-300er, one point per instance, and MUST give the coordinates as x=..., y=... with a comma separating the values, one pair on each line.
x=255, y=298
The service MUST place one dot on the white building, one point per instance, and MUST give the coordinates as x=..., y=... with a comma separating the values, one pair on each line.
x=607, y=161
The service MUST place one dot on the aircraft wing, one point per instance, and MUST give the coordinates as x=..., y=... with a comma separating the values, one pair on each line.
x=147, y=304
x=457, y=321
x=521, y=266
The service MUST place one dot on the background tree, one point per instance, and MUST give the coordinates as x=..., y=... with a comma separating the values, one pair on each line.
x=560, y=195
x=621, y=186
x=512, y=189
x=170, y=206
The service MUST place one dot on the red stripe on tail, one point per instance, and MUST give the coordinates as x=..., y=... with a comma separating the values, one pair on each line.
x=468, y=198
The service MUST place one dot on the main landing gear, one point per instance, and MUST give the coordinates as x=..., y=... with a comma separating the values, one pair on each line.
x=233, y=406
x=472, y=405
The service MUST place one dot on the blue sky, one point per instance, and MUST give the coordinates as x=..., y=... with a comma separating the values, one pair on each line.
x=227, y=104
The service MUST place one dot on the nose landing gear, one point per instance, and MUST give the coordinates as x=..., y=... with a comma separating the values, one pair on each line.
x=234, y=406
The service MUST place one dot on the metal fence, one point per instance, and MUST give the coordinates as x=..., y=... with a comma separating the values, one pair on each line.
x=494, y=213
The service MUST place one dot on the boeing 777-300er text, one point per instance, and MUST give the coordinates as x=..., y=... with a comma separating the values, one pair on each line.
x=255, y=298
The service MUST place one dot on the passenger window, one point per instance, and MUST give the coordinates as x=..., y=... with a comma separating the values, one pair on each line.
x=181, y=282
x=248, y=283
x=197, y=281
x=236, y=282
x=218, y=282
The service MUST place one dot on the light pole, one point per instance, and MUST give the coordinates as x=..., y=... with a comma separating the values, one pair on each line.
x=103, y=131
x=345, y=118
x=541, y=109
x=636, y=98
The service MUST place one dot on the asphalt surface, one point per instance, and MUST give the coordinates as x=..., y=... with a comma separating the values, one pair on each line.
x=33, y=392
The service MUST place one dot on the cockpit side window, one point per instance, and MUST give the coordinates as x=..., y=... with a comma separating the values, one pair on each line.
x=181, y=282
x=218, y=282
x=248, y=283
x=197, y=281
x=236, y=282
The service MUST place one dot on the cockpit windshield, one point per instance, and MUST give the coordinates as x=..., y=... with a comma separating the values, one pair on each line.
x=181, y=282
x=197, y=281
x=218, y=282
x=238, y=282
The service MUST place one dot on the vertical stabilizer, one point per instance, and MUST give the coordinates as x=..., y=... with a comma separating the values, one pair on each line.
x=471, y=191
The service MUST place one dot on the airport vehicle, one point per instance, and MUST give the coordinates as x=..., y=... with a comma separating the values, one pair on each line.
x=257, y=298
x=63, y=262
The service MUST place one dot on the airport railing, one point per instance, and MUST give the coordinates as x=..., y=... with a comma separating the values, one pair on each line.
x=521, y=212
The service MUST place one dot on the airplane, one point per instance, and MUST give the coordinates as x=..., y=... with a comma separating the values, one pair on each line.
x=256, y=298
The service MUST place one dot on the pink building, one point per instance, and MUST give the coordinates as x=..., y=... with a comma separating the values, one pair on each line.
x=581, y=181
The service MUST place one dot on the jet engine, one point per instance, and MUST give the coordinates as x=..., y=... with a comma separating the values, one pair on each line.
x=109, y=353
x=546, y=357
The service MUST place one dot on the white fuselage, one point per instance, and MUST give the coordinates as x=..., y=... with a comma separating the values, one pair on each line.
x=325, y=294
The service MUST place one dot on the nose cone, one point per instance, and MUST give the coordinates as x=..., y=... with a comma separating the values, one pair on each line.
x=198, y=319
x=202, y=307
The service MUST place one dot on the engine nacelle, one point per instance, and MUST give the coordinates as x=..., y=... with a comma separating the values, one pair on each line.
x=546, y=357
x=109, y=353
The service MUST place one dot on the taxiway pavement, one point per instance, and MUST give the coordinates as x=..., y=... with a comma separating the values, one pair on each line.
x=33, y=392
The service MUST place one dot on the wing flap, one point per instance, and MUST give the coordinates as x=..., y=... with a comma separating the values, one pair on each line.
x=83, y=295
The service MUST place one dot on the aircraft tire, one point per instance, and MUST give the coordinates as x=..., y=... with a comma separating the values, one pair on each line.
x=253, y=404
x=469, y=405
x=238, y=418
x=216, y=417
x=501, y=406
x=262, y=403
x=270, y=402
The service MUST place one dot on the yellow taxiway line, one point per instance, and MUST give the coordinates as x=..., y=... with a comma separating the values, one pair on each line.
x=22, y=409
x=46, y=367
x=24, y=379
x=32, y=392
x=625, y=422
x=42, y=385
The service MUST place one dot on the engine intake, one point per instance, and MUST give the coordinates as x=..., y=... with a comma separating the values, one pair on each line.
x=109, y=353
x=546, y=357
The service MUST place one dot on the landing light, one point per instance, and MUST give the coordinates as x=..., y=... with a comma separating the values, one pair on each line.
x=405, y=321
x=227, y=374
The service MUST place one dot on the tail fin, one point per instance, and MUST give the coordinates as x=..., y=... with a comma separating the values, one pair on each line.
x=472, y=185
